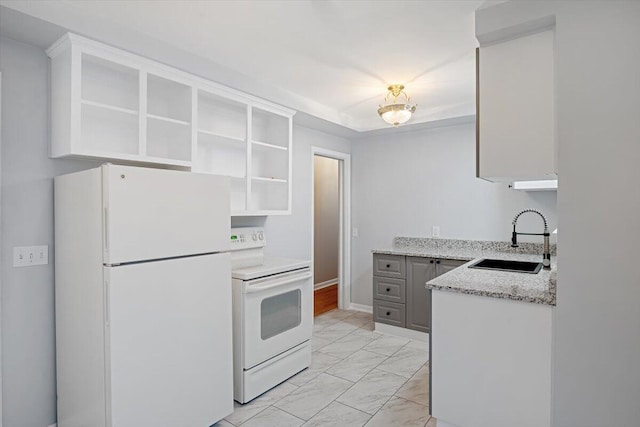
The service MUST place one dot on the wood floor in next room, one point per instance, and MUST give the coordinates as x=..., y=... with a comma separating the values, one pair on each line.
x=357, y=377
x=325, y=299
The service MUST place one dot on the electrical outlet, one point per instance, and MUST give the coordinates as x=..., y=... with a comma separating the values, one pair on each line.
x=435, y=231
x=26, y=256
x=354, y=231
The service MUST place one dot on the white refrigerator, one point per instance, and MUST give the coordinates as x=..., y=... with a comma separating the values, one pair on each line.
x=143, y=298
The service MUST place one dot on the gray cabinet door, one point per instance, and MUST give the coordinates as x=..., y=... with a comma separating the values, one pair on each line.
x=418, y=297
x=446, y=265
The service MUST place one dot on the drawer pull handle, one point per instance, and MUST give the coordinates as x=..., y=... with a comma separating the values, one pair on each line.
x=437, y=262
x=431, y=262
x=388, y=265
x=388, y=289
x=388, y=313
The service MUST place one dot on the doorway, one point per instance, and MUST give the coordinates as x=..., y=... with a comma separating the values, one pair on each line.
x=326, y=233
x=330, y=220
x=0, y=258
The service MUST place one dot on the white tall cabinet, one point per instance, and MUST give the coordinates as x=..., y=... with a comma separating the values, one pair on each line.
x=113, y=105
x=516, y=129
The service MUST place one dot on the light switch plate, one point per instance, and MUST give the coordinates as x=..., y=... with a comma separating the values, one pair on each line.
x=354, y=231
x=435, y=231
x=18, y=256
x=42, y=254
x=27, y=256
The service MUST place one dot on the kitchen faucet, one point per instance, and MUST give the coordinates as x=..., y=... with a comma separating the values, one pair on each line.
x=546, y=255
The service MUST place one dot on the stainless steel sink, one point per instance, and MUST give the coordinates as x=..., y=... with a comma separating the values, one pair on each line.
x=508, y=265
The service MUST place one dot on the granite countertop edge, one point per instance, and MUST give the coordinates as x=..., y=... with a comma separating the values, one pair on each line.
x=493, y=284
x=548, y=299
x=421, y=254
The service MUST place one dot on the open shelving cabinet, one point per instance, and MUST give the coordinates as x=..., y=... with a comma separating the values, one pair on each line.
x=111, y=104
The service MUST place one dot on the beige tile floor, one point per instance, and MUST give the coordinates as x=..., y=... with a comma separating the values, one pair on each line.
x=357, y=377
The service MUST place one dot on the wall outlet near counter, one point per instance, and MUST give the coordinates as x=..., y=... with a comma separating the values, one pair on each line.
x=435, y=231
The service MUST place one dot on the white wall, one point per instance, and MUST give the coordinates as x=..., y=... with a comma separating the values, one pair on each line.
x=326, y=218
x=28, y=339
x=597, y=322
x=406, y=183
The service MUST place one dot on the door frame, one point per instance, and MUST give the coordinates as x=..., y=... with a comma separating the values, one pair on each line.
x=0, y=251
x=344, y=255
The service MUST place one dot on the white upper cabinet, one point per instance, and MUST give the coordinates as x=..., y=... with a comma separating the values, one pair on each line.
x=516, y=109
x=110, y=104
x=270, y=161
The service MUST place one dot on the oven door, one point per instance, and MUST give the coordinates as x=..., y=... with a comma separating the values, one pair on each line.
x=277, y=315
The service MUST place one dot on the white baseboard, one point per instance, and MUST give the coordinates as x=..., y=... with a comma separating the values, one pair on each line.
x=325, y=284
x=401, y=332
x=54, y=425
x=361, y=307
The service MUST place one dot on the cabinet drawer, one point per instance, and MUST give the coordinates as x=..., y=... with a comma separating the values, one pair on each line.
x=389, y=289
x=389, y=312
x=389, y=266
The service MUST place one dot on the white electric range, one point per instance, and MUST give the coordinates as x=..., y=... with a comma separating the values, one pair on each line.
x=272, y=315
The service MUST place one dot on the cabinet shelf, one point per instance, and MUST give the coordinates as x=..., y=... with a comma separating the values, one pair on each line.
x=165, y=161
x=168, y=119
x=266, y=179
x=168, y=139
x=221, y=136
x=108, y=130
x=268, y=145
x=109, y=107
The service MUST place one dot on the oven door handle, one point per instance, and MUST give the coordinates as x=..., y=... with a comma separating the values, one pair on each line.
x=252, y=289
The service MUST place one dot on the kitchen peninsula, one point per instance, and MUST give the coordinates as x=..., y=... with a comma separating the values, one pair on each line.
x=489, y=330
x=491, y=339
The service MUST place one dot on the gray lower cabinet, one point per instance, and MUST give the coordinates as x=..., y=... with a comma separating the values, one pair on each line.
x=389, y=266
x=388, y=289
x=446, y=265
x=391, y=313
x=399, y=294
x=419, y=272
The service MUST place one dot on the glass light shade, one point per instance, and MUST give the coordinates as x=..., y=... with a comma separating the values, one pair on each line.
x=396, y=114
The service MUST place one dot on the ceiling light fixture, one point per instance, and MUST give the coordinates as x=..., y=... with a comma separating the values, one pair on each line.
x=393, y=112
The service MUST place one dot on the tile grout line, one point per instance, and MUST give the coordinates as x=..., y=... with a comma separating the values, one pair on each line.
x=270, y=405
x=320, y=410
x=387, y=401
x=289, y=413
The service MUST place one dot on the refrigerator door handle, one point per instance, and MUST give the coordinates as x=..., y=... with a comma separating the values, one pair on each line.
x=107, y=305
x=106, y=229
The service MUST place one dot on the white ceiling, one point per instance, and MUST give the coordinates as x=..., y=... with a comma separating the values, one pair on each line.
x=335, y=57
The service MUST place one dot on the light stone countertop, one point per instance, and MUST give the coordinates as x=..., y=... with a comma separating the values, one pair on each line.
x=537, y=288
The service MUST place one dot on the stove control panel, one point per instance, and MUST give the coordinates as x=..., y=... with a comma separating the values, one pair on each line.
x=247, y=238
